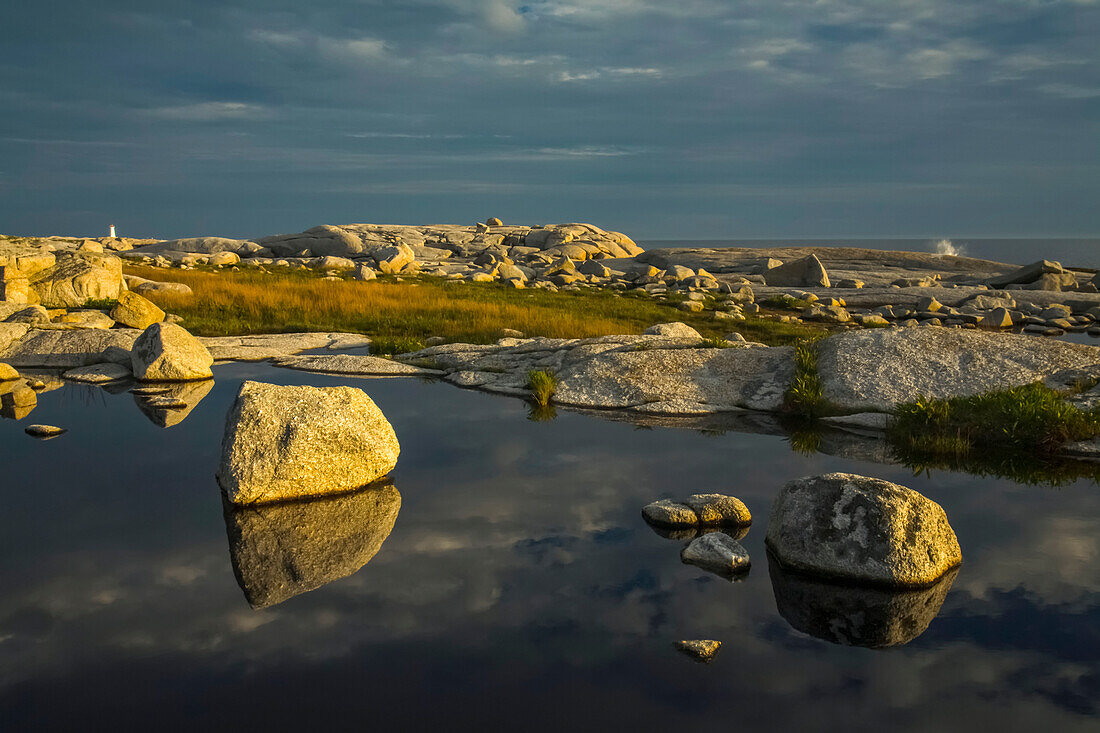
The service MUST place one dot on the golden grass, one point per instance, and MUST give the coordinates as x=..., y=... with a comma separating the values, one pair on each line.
x=238, y=303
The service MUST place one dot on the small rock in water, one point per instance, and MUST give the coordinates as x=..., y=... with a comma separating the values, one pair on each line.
x=717, y=552
x=44, y=431
x=698, y=510
x=701, y=649
x=719, y=509
x=670, y=514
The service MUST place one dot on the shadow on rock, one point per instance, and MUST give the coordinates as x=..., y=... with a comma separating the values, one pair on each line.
x=185, y=394
x=854, y=615
x=286, y=549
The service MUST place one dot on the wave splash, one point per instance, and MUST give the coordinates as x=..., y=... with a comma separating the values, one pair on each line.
x=947, y=247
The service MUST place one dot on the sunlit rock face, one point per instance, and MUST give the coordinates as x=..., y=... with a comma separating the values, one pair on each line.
x=861, y=529
x=283, y=550
x=288, y=442
x=855, y=615
x=17, y=400
x=191, y=393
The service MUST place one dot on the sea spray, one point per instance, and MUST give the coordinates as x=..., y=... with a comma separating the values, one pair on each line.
x=947, y=247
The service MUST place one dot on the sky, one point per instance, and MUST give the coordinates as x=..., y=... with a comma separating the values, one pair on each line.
x=665, y=120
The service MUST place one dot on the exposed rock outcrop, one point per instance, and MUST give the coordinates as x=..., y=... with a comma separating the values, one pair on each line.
x=78, y=278
x=880, y=368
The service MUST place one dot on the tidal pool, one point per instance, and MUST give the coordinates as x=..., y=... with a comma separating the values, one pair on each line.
x=505, y=580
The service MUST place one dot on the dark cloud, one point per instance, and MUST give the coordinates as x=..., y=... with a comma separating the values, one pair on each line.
x=691, y=119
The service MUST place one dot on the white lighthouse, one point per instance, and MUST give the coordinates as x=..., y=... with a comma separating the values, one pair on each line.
x=113, y=235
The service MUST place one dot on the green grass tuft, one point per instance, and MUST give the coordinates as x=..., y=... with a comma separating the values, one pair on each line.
x=399, y=345
x=1032, y=418
x=785, y=302
x=805, y=397
x=103, y=304
x=542, y=385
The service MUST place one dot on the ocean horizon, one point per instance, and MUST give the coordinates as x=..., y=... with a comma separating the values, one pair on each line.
x=1070, y=251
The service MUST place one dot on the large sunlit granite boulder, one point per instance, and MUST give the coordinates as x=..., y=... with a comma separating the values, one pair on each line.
x=135, y=311
x=856, y=615
x=807, y=271
x=166, y=352
x=285, y=442
x=282, y=550
x=879, y=368
x=862, y=529
x=78, y=278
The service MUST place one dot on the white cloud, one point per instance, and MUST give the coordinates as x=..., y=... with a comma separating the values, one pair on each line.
x=209, y=111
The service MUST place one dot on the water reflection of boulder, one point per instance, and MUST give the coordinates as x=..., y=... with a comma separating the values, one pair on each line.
x=17, y=399
x=690, y=533
x=282, y=550
x=855, y=615
x=191, y=393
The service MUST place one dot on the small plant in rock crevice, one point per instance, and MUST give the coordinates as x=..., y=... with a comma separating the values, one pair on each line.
x=542, y=385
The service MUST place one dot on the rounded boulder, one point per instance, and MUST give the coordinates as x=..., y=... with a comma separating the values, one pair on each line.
x=861, y=529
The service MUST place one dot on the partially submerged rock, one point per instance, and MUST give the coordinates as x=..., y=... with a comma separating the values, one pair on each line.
x=856, y=615
x=861, y=529
x=44, y=431
x=98, y=373
x=717, y=553
x=17, y=399
x=291, y=442
x=166, y=352
x=698, y=510
x=66, y=349
x=703, y=650
x=353, y=364
x=282, y=550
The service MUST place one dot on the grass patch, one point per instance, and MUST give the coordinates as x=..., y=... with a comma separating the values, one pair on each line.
x=1032, y=419
x=785, y=302
x=250, y=302
x=542, y=385
x=805, y=397
x=103, y=304
x=390, y=346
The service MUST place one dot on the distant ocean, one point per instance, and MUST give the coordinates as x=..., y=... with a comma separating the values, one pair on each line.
x=1070, y=252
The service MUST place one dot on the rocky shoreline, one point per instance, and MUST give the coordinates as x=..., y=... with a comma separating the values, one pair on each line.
x=874, y=362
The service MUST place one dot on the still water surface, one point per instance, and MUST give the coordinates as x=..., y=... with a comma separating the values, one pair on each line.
x=519, y=588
